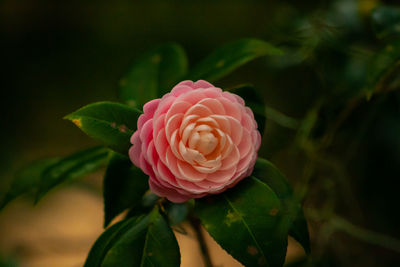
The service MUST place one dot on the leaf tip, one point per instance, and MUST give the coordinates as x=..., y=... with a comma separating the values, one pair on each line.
x=3, y=203
x=107, y=220
x=38, y=196
x=77, y=122
x=74, y=119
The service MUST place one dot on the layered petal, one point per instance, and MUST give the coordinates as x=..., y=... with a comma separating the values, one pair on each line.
x=194, y=141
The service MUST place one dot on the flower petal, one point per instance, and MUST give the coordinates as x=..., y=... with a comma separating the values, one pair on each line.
x=180, y=89
x=236, y=130
x=172, y=124
x=231, y=160
x=177, y=107
x=214, y=105
x=200, y=110
x=202, y=84
x=189, y=173
x=221, y=176
x=231, y=108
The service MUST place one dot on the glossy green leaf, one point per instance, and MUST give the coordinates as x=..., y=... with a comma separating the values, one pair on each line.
x=106, y=241
x=269, y=174
x=386, y=21
x=384, y=70
x=71, y=167
x=27, y=180
x=147, y=241
x=254, y=101
x=247, y=222
x=265, y=171
x=153, y=74
x=124, y=187
x=229, y=57
x=108, y=122
x=147, y=203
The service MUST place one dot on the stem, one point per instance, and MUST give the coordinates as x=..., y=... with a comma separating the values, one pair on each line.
x=200, y=237
x=280, y=118
x=366, y=235
x=337, y=223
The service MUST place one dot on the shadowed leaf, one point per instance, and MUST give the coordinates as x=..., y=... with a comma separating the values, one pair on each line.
x=229, y=57
x=384, y=70
x=386, y=21
x=27, y=180
x=124, y=187
x=144, y=241
x=153, y=74
x=247, y=222
x=254, y=101
x=269, y=174
x=107, y=240
x=71, y=167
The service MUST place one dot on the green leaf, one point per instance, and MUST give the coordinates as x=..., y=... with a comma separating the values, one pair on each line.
x=106, y=241
x=110, y=123
x=386, y=21
x=254, y=101
x=153, y=74
x=247, y=222
x=229, y=57
x=299, y=230
x=124, y=187
x=71, y=167
x=384, y=69
x=269, y=174
x=144, y=241
x=27, y=180
x=265, y=171
x=146, y=204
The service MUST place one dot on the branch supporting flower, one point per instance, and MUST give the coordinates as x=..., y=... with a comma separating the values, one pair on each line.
x=195, y=223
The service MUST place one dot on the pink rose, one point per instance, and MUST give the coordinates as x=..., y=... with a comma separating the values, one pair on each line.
x=194, y=141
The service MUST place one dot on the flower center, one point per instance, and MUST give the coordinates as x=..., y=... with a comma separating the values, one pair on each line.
x=206, y=143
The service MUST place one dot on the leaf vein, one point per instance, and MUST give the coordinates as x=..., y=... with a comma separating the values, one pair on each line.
x=246, y=226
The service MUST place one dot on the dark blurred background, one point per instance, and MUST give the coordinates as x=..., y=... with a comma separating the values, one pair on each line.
x=58, y=56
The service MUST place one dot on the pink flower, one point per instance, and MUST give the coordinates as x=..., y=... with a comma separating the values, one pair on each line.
x=195, y=140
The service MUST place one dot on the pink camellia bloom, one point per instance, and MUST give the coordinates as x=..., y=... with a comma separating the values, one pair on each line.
x=195, y=140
